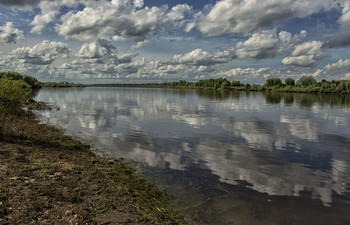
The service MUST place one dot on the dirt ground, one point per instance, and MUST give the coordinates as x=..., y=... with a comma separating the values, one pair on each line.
x=49, y=178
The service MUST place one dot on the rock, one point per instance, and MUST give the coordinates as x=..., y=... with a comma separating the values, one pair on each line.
x=68, y=213
x=58, y=174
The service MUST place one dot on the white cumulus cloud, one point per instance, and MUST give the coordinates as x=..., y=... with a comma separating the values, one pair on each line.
x=344, y=20
x=248, y=16
x=10, y=34
x=49, y=11
x=335, y=70
x=201, y=57
x=102, y=52
x=119, y=20
x=43, y=53
x=267, y=44
x=305, y=54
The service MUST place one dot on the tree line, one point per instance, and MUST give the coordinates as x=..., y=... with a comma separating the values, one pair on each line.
x=306, y=84
x=34, y=83
x=31, y=81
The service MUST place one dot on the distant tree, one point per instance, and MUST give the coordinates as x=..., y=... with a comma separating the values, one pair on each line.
x=182, y=82
x=225, y=84
x=216, y=86
x=289, y=82
x=236, y=83
x=256, y=87
x=272, y=82
x=32, y=81
x=306, y=81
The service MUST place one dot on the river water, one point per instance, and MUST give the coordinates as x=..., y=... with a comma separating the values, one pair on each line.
x=227, y=157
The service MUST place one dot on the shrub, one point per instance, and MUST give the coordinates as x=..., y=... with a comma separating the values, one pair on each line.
x=13, y=94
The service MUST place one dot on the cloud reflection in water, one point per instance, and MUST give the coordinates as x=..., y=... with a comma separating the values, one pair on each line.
x=280, y=147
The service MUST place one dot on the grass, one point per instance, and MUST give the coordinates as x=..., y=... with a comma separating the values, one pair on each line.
x=49, y=178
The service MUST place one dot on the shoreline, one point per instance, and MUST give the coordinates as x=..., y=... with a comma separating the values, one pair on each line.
x=47, y=177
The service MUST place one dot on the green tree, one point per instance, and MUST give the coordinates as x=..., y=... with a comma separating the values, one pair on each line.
x=225, y=84
x=273, y=82
x=216, y=86
x=306, y=81
x=11, y=75
x=32, y=81
x=289, y=82
x=236, y=83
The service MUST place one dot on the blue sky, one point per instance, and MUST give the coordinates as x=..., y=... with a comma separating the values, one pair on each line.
x=136, y=41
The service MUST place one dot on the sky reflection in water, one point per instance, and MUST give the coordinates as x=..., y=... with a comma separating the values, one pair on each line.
x=279, y=144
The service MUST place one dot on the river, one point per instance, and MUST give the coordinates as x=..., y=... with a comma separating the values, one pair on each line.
x=227, y=157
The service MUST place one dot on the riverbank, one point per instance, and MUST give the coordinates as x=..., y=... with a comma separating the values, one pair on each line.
x=47, y=177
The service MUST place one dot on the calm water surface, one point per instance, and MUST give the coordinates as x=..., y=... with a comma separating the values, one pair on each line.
x=228, y=157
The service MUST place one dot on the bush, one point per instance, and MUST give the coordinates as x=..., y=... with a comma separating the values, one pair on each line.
x=13, y=94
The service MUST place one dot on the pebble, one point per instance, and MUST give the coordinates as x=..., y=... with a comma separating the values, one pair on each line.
x=58, y=174
x=68, y=212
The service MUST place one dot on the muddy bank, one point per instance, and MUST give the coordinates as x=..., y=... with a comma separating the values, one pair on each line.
x=49, y=178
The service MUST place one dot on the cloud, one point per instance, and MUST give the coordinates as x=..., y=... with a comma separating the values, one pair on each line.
x=119, y=20
x=114, y=19
x=49, y=11
x=178, y=12
x=140, y=44
x=43, y=53
x=305, y=54
x=337, y=41
x=335, y=70
x=97, y=49
x=267, y=44
x=199, y=57
x=10, y=34
x=344, y=20
x=103, y=52
x=246, y=74
x=247, y=17
x=341, y=65
x=19, y=2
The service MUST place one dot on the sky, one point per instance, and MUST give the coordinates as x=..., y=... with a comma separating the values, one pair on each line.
x=147, y=41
